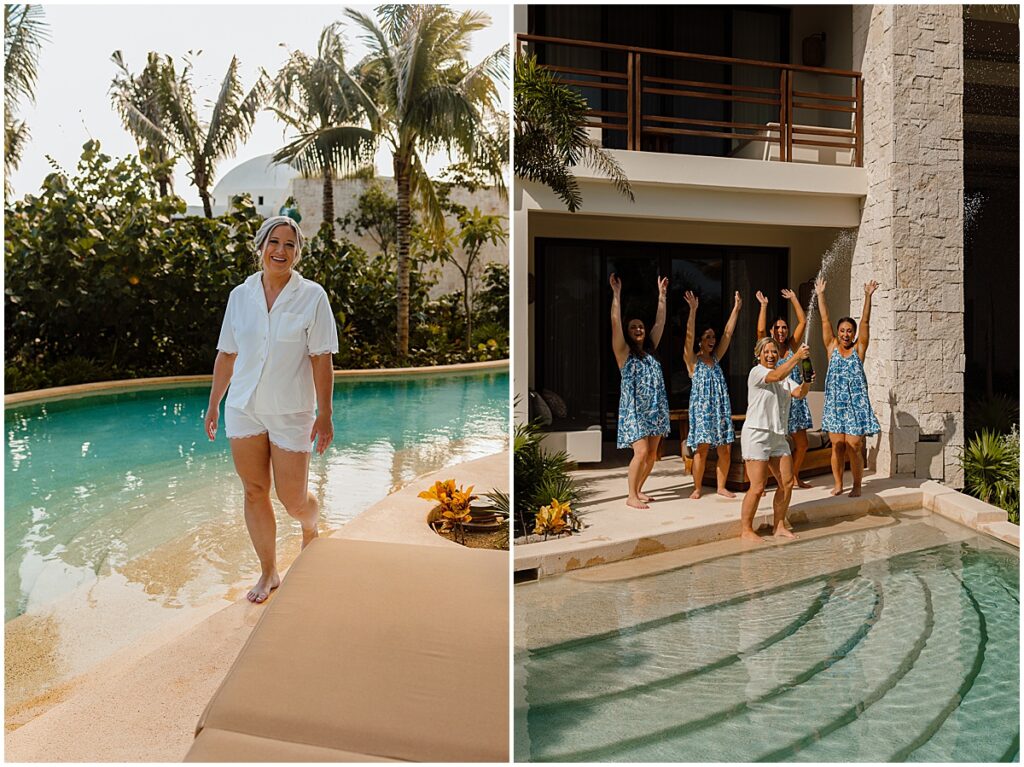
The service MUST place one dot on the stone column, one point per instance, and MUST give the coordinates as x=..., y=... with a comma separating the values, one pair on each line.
x=911, y=234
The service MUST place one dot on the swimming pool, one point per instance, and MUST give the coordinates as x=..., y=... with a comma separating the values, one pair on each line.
x=127, y=486
x=896, y=640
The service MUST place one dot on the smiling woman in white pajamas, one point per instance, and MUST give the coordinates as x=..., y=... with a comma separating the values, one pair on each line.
x=275, y=352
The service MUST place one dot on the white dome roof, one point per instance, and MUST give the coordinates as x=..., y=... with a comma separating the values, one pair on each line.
x=259, y=173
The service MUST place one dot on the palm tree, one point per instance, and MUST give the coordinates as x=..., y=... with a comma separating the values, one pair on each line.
x=139, y=101
x=204, y=144
x=420, y=96
x=24, y=35
x=312, y=96
x=551, y=137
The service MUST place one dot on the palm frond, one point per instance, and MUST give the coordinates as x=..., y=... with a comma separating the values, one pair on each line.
x=25, y=31
x=343, y=148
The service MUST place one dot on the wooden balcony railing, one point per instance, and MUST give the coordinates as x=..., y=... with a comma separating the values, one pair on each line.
x=641, y=123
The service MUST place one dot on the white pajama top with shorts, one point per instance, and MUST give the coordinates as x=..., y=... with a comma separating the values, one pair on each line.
x=272, y=388
x=765, y=427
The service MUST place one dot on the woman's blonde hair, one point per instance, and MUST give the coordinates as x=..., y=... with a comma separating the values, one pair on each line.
x=761, y=343
x=260, y=240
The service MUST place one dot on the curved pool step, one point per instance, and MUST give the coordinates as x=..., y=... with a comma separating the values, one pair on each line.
x=876, y=723
x=617, y=728
x=790, y=711
x=669, y=650
x=980, y=720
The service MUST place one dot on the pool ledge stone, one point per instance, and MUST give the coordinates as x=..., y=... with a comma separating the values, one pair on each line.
x=615, y=533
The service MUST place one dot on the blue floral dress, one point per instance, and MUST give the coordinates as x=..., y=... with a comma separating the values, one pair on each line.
x=643, y=404
x=847, y=407
x=710, y=409
x=799, y=412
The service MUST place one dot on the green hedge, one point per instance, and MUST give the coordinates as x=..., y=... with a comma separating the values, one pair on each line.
x=104, y=279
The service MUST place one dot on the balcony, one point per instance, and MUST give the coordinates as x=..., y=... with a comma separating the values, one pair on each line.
x=663, y=101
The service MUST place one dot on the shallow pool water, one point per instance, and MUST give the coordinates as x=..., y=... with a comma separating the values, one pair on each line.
x=127, y=484
x=896, y=642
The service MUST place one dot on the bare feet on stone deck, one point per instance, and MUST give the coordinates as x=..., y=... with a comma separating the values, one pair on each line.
x=267, y=583
x=725, y=493
x=636, y=503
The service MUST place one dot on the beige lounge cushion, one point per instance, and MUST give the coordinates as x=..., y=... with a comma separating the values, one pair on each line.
x=213, y=745
x=389, y=650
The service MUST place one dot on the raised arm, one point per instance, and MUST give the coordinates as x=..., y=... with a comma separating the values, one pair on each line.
x=865, y=321
x=782, y=371
x=730, y=327
x=801, y=319
x=619, y=345
x=826, y=324
x=762, y=315
x=663, y=295
x=689, y=355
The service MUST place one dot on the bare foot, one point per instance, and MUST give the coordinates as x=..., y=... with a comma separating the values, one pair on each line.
x=267, y=583
x=837, y=490
x=726, y=493
x=783, y=532
x=308, y=536
x=695, y=494
x=636, y=503
x=797, y=482
x=855, y=492
x=750, y=535
x=644, y=497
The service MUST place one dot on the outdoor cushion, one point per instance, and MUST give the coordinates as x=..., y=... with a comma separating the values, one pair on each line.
x=555, y=403
x=388, y=650
x=213, y=745
x=539, y=409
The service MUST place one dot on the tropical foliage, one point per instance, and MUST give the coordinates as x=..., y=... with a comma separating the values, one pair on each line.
x=24, y=35
x=551, y=137
x=313, y=97
x=106, y=279
x=453, y=505
x=420, y=95
x=542, y=480
x=991, y=465
x=555, y=519
x=162, y=93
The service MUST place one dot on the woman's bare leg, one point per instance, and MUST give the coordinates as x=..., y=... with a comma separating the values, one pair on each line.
x=799, y=452
x=652, y=458
x=757, y=472
x=782, y=469
x=291, y=482
x=838, y=461
x=722, y=469
x=252, y=462
x=854, y=445
x=636, y=474
x=700, y=459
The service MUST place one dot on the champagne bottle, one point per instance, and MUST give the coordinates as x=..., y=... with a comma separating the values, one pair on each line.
x=806, y=369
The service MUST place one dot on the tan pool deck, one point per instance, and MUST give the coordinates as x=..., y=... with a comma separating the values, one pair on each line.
x=616, y=532
x=142, y=704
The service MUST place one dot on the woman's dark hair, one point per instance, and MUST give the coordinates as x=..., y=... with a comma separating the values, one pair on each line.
x=634, y=348
x=851, y=320
x=700, y=335
x=776, y=321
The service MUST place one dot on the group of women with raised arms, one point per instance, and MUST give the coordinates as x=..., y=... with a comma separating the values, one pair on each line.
x=776, y=399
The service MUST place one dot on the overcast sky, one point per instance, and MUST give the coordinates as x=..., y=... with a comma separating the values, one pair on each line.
x=75, y=70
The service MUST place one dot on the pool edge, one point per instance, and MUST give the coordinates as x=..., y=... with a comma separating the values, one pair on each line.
x=101, y=387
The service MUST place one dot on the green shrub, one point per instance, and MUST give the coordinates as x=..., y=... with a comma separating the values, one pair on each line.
x=540, y=476
x=105, y=279
x=997, y=413
x=991, y=464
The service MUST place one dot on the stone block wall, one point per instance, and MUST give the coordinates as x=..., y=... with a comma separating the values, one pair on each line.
x=911, y=233
x=308, y=194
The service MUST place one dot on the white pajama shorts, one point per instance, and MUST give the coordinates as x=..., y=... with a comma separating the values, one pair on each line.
x=289, y=431
x=761, y=444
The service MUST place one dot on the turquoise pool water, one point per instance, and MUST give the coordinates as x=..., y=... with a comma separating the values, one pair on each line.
x=128, y=484
x=896, y=643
